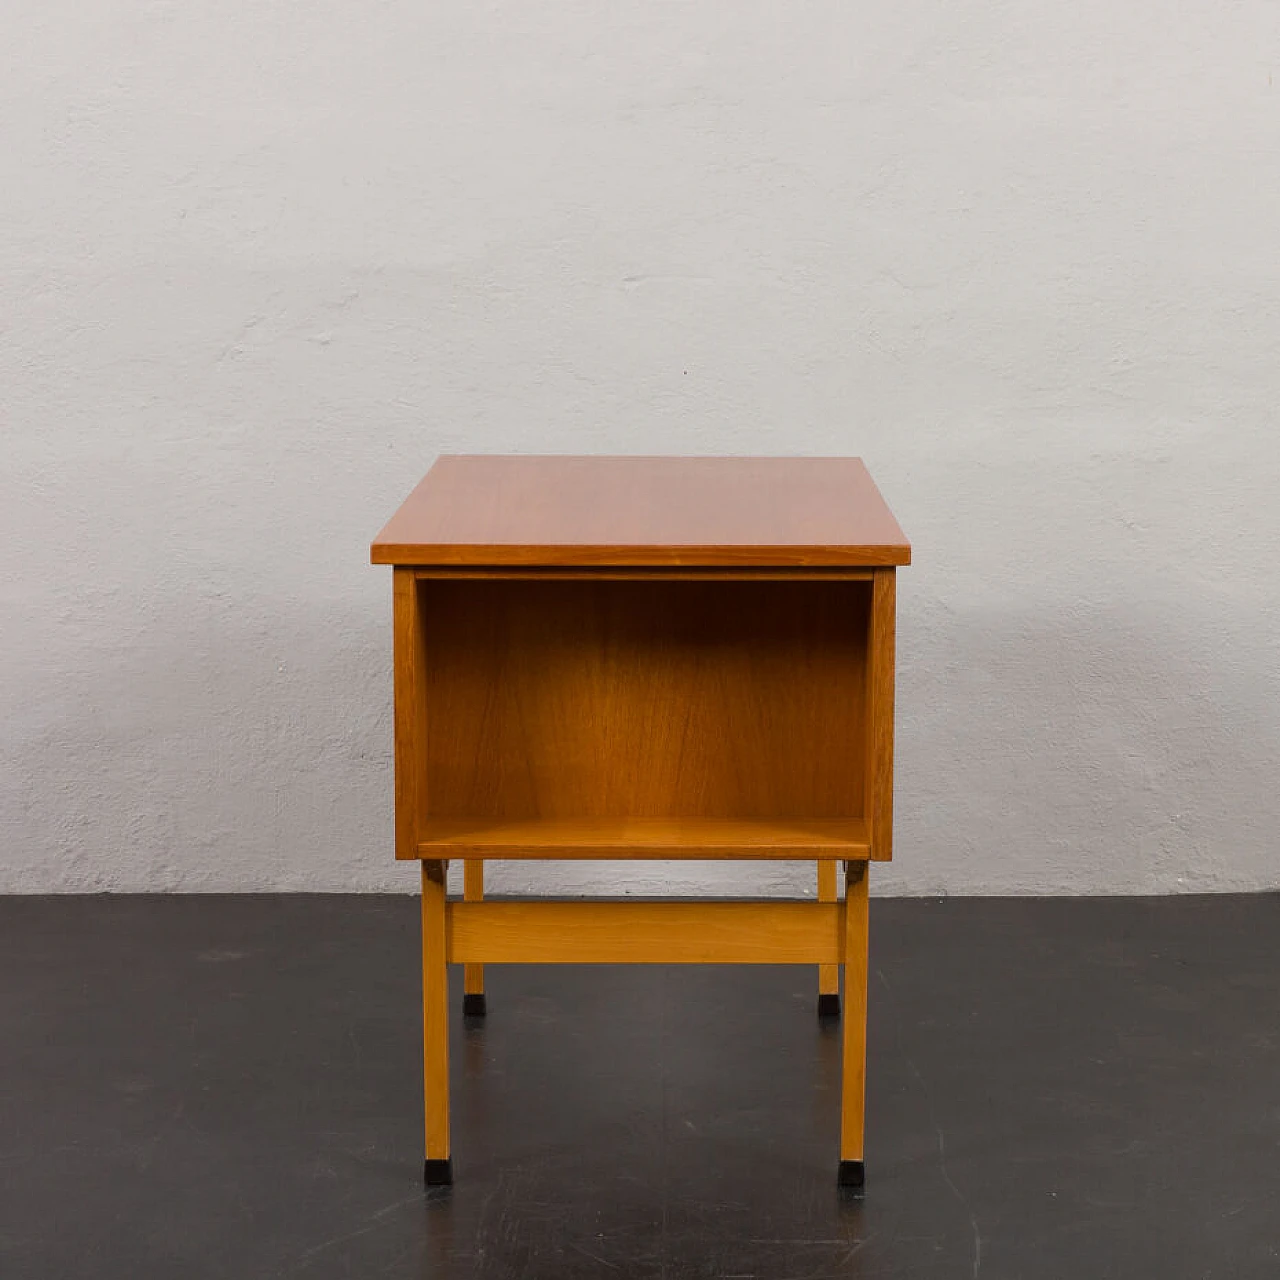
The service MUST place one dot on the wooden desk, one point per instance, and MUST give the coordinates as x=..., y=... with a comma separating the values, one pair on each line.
x=643, y=658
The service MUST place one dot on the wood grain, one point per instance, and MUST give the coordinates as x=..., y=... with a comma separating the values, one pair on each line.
x=435, y=1011
x=409, y=711
x=643, y=511
x=854, y=1062
x=879, y=715
x=622, y=838
x=681, y=699
x=596, y=932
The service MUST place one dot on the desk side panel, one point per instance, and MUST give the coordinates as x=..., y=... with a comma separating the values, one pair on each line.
x=409, y=664
x=879, y=721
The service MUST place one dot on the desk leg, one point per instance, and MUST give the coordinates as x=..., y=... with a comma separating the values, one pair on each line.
x=853, y=1084
x=473, y=974
x=828, y=974
x=438, y=1169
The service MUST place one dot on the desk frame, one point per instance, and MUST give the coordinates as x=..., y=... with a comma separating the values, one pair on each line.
x=473, y=932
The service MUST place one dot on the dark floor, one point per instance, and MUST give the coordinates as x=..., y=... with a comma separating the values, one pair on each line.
x=229, y=1087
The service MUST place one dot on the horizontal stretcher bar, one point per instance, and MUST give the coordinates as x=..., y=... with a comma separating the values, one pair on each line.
x=651, y=932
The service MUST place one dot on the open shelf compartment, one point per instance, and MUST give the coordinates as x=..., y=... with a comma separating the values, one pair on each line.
x=669, y=717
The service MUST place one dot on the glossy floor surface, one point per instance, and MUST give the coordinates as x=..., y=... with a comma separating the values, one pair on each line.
x=229, y=1087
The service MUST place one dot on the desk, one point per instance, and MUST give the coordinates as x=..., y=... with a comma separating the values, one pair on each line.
x=629, y=658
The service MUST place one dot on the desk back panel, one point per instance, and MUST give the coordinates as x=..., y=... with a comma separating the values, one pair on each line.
x=632, y=698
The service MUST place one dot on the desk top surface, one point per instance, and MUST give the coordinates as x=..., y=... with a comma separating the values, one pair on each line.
x=529, y=510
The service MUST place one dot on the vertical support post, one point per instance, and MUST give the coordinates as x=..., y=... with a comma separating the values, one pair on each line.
x=473, y=1004
x=828, y=974
x=438, y=1169
x=854, y=1067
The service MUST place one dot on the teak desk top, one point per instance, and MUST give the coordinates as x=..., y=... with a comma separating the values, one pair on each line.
x=587, y=511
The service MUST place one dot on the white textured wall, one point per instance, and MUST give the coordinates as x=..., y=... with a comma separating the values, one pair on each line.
x=260, y=263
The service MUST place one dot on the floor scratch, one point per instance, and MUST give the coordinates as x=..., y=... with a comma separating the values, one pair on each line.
x=371, y=1224
x=595, y=1257
x=942, y=1141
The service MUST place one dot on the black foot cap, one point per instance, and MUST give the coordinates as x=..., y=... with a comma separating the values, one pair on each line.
x=473, y=1006
x=829, y=1006
x=438, y=1173
x=853, y=1175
